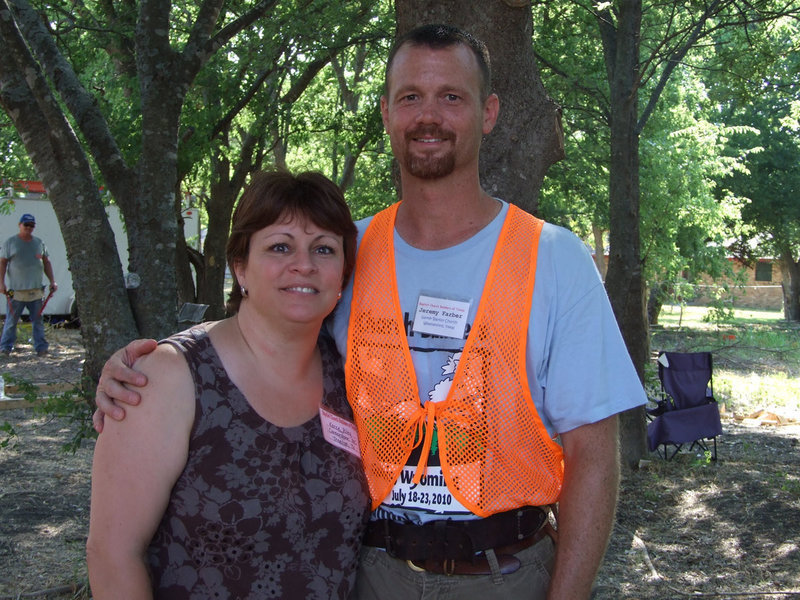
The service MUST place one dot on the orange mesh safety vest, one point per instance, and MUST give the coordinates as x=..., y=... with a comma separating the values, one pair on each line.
x=496, y=453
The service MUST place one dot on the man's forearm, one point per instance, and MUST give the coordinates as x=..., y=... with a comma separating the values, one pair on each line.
x=48, y=271
x=3, y=266
x=586, y=507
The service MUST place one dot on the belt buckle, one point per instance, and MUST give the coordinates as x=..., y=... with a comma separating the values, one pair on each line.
x=448, y=567
x=414, y=567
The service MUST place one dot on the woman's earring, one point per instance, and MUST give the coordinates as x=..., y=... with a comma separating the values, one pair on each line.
x=244, y=292
x=339, y=297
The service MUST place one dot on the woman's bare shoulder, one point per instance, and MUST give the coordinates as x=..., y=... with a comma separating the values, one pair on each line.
x=169, y=381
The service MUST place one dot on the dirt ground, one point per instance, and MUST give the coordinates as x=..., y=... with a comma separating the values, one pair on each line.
x=685, y=528
x=44, y=493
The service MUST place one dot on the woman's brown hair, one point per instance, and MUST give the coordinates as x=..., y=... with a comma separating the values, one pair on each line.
x=274, y=195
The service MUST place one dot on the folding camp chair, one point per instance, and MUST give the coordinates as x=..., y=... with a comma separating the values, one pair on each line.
x=687, y=412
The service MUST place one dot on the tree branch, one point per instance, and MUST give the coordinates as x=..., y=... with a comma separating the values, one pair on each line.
x=80, y=103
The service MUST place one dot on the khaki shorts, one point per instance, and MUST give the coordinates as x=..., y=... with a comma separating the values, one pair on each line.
x=381, y=577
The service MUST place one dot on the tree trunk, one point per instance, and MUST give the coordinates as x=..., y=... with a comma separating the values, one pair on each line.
x=659, y=291
x=219, y=209
x=59, y=158
x=226, y=186
x=528, y=137
x=791, y=285
x=624, y=280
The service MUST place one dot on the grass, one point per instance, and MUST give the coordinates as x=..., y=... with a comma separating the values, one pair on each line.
x=696, y=317
x=756, y=355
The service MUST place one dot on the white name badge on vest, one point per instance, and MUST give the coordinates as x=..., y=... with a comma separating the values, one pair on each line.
x=445, y=317
x=339, y=432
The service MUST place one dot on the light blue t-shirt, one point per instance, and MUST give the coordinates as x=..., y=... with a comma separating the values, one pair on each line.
x=579, y=370
x=25, y=269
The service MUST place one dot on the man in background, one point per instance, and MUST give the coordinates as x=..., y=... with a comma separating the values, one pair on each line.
x=24, y=258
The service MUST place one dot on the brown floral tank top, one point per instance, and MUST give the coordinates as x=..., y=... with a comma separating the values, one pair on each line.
x=259, y=511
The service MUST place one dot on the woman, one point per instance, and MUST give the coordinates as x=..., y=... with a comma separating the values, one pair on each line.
x=221, y=485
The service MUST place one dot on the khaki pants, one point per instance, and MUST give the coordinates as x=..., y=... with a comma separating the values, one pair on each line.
x=381, y=577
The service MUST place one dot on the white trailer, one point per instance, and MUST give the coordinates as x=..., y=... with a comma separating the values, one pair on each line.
x=62, y=302
x=34, y=201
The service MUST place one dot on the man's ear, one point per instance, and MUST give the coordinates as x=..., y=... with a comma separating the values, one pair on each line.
x=385, y=113
x=491, y=110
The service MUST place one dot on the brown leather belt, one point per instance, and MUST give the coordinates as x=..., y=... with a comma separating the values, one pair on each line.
x=480, y=565
x=458, y=547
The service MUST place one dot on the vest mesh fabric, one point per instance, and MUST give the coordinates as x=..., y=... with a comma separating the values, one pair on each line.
x=495, y=451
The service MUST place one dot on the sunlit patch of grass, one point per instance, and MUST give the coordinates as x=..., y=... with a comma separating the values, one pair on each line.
x=745, y=393
x=697, y=317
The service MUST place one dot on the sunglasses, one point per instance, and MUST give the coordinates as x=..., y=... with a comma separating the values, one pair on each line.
x=29, y=224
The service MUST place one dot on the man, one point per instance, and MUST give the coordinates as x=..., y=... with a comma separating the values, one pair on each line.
x=461, y=372
x=24, y=258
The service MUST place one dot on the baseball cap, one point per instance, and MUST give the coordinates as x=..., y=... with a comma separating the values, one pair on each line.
x=27, y=218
